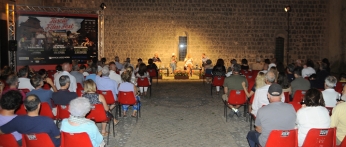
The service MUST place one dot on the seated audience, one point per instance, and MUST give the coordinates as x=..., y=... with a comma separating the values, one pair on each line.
x=5, y=72
x=244, y=64
x=322, y=75
x=33, y=122
x=308, y=69
x=24, y=81
x=63, y=96
x=257, y=65
x=272, y=63
x=325, y=61
x=92, y=74
x=151, y=65
x=58, y=69
x=338, y=120
x=142, y=73
x=290, y=70
x=266, y=65
x=10, y=102
x=283, y=82
x=275, y=116
x=234, y=82
x=313, y=81
x=42, y=73
x=128, y=86
x=113, y=73
x=117, y=63
x=78, y=73
x=66, y=71
x=299, y=83
x=43, y=94
x=12, y=81
x=298, y=64
x=105, y=83
x=329, y=94
x=139, y=61
x=95, y=98
x=313, y=114
x=208, y=67
x=259, y=82
x=261, y=98
x=77, y=123
x=219, y=70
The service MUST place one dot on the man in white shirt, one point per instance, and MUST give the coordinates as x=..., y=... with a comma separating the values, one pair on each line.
x=261, y=98
x=308, y=69
x=66, y=71
x=329, y=94
x=24, y=82
x=112, y=73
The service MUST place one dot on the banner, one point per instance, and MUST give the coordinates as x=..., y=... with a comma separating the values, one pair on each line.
x=54, y=40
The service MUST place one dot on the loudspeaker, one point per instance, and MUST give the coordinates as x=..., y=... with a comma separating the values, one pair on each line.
x=12, y=45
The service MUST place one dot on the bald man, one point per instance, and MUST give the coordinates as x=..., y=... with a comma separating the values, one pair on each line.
x=66, y=71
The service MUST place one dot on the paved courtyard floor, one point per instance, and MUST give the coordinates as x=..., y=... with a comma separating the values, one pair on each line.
x=181, y=113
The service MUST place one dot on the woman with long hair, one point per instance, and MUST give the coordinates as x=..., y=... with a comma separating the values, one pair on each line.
x=219, y=70
x=259, y=82
x=127, y=86
x=142, y=73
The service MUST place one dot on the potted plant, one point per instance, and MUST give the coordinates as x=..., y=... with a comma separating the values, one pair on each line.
x=178, y=74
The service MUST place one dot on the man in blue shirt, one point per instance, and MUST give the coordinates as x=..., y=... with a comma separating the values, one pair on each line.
x=32, y=122
x=43, y=95
x=105, y=83
x=93, y=73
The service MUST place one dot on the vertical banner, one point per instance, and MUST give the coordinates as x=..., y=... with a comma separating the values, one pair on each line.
x=54, y=40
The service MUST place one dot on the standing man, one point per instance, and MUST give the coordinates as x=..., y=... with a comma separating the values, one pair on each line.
x=66, y=71
x=275, y=116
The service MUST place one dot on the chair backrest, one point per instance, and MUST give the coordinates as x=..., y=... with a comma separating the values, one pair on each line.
x=108, y=94
x=143, y=82
x=250, y=85
x=254, y=73
x=126, y=98
x=97, y=113
x=330, y=110
x=46, y=86
x=21, y=110
x=10, y=140
x=152, y=72
x=246, y=72
x=251, y=99
x=339, y=86
x=62, y=112
x=287, y=97
x=299, y=95
x=296, y=105
x=320, y=138
x=37, y=140
x=79, y=91
x=237, y=97
x=75, y=139
x=343, y=143
x=283, y=138
x=218, y=80
x=79, y=85
x=24, y=90
x=46, y=111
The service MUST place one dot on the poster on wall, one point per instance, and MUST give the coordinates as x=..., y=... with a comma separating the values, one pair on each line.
x=55, y=39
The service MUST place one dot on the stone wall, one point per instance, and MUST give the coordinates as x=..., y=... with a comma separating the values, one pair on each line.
x=220, y=28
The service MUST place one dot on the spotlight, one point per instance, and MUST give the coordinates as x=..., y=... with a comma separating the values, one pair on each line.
x=182, y=45
x=287, y=8
x=103, y=6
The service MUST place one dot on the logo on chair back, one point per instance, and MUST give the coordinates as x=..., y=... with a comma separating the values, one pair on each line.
x=303, y=92
x=63, y=107
x=219, y=78
x=93, y=107
x=237, y=92
x=285, y=133
x=31, y=137
x=104, y=92
x=323, y=132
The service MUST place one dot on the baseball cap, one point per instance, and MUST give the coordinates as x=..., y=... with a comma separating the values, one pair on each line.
x=275, y=90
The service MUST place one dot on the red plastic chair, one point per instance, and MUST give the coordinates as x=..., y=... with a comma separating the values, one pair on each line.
x=128, y=98
x=37, y=140
x=343, y=143
x=330, y=110
x=246, y=72
x=24, y=90
x=299, y=95
x=21, y=110
x=144, y=82
x=255, y=73
x=217, y=81
x=339, y=86
x=108, y=94
x=61, y=113
x=250, y=78
x=287, y=97
x=46, y=86
x=75, y=139
x=296, y=105
x=79, y=85
x=46, y=111
x=98, y=115
x=320, y=138
x=79, y=90
x=10, y=141
x=235, y=97
x=283, y=138
x=152, y=74
x=250, y=85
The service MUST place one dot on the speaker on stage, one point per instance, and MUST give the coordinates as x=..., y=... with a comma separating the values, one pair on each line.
x=12, y=45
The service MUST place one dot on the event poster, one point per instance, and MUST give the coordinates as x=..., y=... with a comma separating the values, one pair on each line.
x=54, y=40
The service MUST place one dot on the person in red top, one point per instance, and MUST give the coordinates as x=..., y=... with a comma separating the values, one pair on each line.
x=12, y=82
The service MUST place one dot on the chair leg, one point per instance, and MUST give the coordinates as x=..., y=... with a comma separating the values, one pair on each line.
x=245, y=108
x=119, y=107
x=113, y=127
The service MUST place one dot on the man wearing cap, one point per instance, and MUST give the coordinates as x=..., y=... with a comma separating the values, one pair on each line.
x=260, y=98
x=105, y=83
x=274, y=116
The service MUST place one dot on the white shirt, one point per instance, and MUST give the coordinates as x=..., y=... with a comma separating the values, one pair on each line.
x=271, y=65
x=73, y=83
x=261, y=98
x=330, y=96
x=24, y=83
x=114, y=76
x=306, y=72
x=311, y=117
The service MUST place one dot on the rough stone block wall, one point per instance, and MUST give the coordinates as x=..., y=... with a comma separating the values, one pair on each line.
x=220, y=28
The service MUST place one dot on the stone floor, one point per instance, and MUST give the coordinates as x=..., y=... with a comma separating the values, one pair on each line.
x=181, y=113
